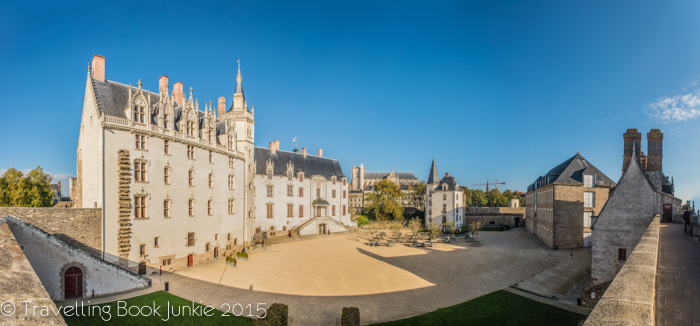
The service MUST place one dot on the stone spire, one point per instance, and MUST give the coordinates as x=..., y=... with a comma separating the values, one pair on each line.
x=238, y=102
x=434, y=177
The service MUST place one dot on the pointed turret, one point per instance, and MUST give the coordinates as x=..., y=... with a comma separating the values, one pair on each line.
x=238, y=102
x=434, y=177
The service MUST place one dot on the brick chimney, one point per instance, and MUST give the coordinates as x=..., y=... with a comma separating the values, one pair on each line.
x=447, y=175
x=272, y=147
x=303, y=151
x=320, y=152
x=277, y=144
x=222, y=107
x=177, y=93
x=162, y=84
x=59, y=185
x=98, y=67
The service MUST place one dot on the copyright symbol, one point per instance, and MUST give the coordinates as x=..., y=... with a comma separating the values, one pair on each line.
x=7, y=308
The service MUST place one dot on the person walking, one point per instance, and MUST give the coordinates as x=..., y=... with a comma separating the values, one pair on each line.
x=686, y=218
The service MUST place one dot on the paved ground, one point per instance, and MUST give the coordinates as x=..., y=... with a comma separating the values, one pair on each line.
x=564, y=275
x=320, y=275
x=678, y=293
x=440, y=277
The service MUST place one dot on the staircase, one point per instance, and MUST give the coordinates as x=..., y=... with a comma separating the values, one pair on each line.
x=295, y=231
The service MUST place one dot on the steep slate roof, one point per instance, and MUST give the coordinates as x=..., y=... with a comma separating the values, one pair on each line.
x=451, y=183
x=434, y=176
x=382, y=175
x=660, y=182
x=112, y=98
x=571, y=172
x=311, y=165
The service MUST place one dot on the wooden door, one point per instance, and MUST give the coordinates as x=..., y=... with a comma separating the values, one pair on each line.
x=73, y=281
x=216, y=252
x=667, y=213
x=190, y=260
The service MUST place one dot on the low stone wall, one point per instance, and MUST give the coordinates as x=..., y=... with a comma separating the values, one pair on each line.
x=630, y=298
x=497, y=215
x=80, y=227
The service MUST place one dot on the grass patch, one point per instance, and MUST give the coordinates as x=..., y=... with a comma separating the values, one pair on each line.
x=161, y=298
x=495, y=309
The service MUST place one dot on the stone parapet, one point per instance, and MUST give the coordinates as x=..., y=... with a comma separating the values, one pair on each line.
x=630, y=298
x=497, y=215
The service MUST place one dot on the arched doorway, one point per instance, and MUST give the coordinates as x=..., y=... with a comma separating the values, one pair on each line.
x=216, y=252
x=73, y=281
x=190, y=260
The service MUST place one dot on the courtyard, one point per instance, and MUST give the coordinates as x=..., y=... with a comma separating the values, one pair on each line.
x=319, y=275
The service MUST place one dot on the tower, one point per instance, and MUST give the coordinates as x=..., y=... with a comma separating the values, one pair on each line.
x=433, y=177
x=655, y=141
x=243, y=121
x=632, y=141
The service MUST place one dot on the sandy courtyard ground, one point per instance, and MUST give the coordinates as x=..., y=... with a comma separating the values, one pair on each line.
x=318, y=276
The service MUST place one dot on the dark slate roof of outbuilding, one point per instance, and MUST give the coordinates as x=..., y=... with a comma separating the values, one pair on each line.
x=382, y=175
x=311, y=165
x=571, y=172
x=451, y=183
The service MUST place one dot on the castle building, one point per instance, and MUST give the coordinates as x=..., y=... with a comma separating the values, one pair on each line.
x=177, y=183
x=651, y=164
x=562, y=205
x=300, y=194
x=362, y=184
x=174, y=181
x=444, y=200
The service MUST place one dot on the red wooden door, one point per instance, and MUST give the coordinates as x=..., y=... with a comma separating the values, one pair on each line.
x=190, y=260
x=73, y=281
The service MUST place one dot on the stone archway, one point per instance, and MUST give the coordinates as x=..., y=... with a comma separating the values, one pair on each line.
x=73, y=278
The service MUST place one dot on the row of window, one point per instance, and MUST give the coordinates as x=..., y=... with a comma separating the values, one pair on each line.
x=141, y=207
x=190, y=243
x=290, y=210
x=141, y=145
x=290, y=191
x=141, y=175
x=290, y=176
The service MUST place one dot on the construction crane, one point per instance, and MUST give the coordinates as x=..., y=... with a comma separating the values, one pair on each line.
x=494, y=184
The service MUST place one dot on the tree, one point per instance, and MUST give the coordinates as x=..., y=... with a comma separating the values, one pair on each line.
x=433, y=231
x=33, y=190
x=385, y=201
x=414, y=225
x=468, y=195
x=396, y=226
x=479, y=198
x=451, y=228
x=475, y=226
x=416, y=196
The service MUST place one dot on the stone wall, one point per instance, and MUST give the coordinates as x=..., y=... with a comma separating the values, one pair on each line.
x=19, y=282
x=80, y=227
x=497, y=215
x=590, y=296
x=51, y=258
x=630, y=298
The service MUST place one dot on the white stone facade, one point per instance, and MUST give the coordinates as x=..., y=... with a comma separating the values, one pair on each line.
x=444, y=200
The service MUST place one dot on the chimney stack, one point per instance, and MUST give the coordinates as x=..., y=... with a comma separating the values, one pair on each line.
x=59, y=185
x=447, y=175
x=320, y=152
x=162, y=84
x=272, y=147
x=222, y=107
x=277, y=144
x=98, y=67
x=177, y=93
x=303, y=151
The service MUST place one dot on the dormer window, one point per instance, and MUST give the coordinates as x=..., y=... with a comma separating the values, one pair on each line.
x=290, y=175
x=230, y=143
x=166, y=121
x=190, y=128
x=269, y=173
x=589, y=181
x=301, y=176
x=333, y=179
x=139, y=114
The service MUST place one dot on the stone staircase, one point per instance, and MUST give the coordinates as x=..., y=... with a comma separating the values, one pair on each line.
x=295, y=231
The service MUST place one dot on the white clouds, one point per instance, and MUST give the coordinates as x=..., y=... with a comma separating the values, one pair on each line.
x=677, y=108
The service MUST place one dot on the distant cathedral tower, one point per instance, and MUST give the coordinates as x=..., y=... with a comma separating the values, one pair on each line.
x=655, y=140
x=633, y=141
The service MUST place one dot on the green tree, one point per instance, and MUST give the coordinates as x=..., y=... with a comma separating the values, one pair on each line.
x=479, y=198
x=33, y=190
x=451, y=228
x=416, y=196
x=433, y=231
x=496, y=199
x=385, y=201
x=468, y=194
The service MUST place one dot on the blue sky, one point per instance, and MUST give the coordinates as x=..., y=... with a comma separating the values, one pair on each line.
x=493, y=89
